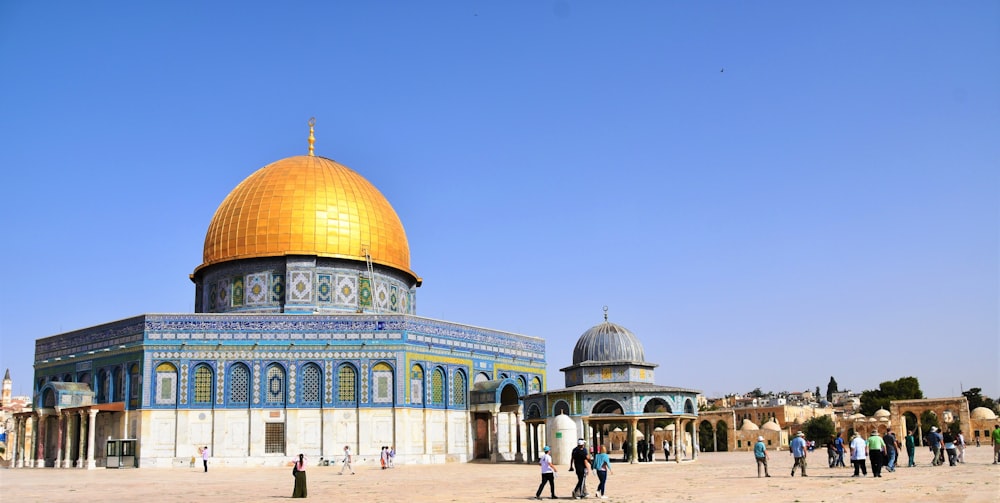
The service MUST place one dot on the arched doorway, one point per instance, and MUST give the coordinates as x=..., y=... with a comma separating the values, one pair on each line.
x=706, y=436
x=721, y=436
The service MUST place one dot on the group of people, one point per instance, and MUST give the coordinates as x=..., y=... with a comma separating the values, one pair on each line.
x=880, y=451
x=388, y=457
x=581, y=462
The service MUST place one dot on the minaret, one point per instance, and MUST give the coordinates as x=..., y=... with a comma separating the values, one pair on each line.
x=5, y=399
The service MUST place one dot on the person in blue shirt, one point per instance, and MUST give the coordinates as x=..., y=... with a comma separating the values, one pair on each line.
x=838, y=443
x=760, y=454
x=602, y=465
x=798, y=449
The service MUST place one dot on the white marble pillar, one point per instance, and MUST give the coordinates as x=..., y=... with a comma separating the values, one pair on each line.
x=39, y=435
x=91, y=424
x=82, y=439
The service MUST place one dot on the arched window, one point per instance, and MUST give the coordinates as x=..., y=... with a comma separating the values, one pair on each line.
x=437, y=387
x=275, y=385
x=535, y=386
x=458, y=390
x=522, y=385
x=203, y=384
x=312, y=383
x=102, y=386
x=118, y=387
x=382, y=383
x=346, y=384
x=166, y=384
x=67, y=378
x=134, y=386
x=239, y=384
x=416, y=384
x=560, y=407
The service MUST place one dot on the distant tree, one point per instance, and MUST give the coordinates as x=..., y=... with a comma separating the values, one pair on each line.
x=817, y=395
x=831, y=388
x=976, y=399
x=757, y=393
x=821, y=429
x=927, y=419
x=904, y=388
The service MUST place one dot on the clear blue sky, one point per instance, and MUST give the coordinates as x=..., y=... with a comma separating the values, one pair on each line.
x=825, y=206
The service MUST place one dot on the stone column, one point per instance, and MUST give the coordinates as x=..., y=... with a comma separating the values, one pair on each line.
x=519, y=454
x=81, y=438
x=91, y=423
x=695, y=441
x=67, y=445
x=60, y=431
x=12, y=440
x=633, y=438
x=39, y=440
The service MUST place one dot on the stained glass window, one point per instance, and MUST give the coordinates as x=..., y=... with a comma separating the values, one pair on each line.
x=311, y=385
x=458, y=389
x=346, y=377
x=416, y=384
x=166, y=384
x=275, y=384
x=202, y=384
x=239, y=384
x=382, y=383
x=437, y=387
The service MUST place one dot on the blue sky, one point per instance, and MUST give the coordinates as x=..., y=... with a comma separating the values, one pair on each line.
x=766, y=193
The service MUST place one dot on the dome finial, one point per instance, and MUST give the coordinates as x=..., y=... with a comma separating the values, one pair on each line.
x=605, y=313
x=312, y=138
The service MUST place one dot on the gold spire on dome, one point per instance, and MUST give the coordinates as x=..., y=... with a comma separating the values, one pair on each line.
x=605, y=313
x=312, y=137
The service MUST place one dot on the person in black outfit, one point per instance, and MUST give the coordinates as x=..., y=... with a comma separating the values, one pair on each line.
x=581, y=465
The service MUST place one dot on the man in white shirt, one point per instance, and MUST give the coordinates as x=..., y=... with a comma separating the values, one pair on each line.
x=859, y=454
x=347, y=461
x=548, y=474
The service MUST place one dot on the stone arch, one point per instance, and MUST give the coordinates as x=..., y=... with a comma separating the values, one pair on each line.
x=560, y=407
x=534, y=412
x=417, y=384
x=688, y=406
x=721, y=436
x=535, y=386
x=657, y=405
x=481, y=377
x=510, y=398
x=706, y=436
x=608, y=406
x=102, y=387
x=522, y=384
x=48, y=398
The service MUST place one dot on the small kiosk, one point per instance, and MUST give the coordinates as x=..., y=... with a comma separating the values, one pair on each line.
x=121, y=453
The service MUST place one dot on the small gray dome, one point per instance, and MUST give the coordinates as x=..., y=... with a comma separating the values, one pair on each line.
x=608, y=342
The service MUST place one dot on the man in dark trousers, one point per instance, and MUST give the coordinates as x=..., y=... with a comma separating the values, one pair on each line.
x=581, y=465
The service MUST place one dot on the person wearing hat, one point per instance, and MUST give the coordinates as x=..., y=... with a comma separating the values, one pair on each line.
x=760, y=453
x=859, y=453
x=798, y=449
x=876, y=452
x=581, y=464
x=935, y=441
x=548, y=474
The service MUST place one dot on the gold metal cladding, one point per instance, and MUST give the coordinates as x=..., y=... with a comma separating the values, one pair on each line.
x=312, y=137
x=307, y=205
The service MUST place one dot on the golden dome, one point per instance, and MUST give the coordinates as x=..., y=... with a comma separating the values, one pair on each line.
x=307, y=205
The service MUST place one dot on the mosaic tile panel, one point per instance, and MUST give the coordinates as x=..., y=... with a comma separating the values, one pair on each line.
x=364, y=383
x=364, y=292
x=300, y=286
x=237, y=291
x=324, y=288
x=256, y=290
x=347, y=294
x=277, y=288
x=222, y=301
x=220, y=384
x=382, y=386
x=393, y=299
x=256, y=382
x=184, y=382
x=381, y=296
x=291, y=383
x=329, y=382
x=213, y=298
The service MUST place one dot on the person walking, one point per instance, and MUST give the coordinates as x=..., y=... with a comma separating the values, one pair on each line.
x=798, y=449
x=949, y=447
x=666, y=450
x=911, y=447
x=995, y=437
x=859, y=453
x=204, y=457
x=891, y=450
x=299, y=472
x=548, y=474
x=876, y=451
x=935, y=441
x=580, y=458
x=960, y=447
x=760, y=454
x=347, y=461
x=602, y=465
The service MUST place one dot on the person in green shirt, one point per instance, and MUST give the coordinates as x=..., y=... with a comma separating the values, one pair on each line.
x=911, y=446
x=876, y=452
x=996, y=442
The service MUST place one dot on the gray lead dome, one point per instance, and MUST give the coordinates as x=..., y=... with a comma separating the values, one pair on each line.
x=608, y=342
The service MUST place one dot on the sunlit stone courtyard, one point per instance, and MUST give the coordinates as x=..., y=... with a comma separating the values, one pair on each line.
x=728, y=476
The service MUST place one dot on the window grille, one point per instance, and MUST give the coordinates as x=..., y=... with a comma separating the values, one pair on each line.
x=203, y=384
x=274, y=438
x=239, y=384
x=311, y=387
x=346, y=378
x=437, y=387
x=275, y=385
x=458, y=388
